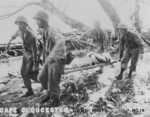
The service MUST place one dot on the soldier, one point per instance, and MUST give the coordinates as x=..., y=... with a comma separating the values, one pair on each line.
x=131, y=45
x=53, y=69
x=30, y=57
x=50, y=37
x=99, y=37
x=49, y=34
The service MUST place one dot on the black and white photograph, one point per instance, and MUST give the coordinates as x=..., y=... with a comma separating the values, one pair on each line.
x=74, y=58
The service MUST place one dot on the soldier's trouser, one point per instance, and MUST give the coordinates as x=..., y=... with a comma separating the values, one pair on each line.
x=132, y=54
x=50, y=75
x=100, y=48
x=26, y=68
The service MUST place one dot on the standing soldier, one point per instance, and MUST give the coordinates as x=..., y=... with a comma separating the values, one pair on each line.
x=131, y=45
x=53, y=69
x=99, y=37
x=30, y=57
x=49, y=34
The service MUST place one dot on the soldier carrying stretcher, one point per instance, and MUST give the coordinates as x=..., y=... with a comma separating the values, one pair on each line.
x=48, y=33
x=30, y=57
x=52, y=70
x=131, y=46
x=99, y=37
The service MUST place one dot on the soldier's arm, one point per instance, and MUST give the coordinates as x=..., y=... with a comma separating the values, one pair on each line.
x=12, y=38
x=100, y=45
x=122, y=43
x=56, y=35
x=139, y=42
x=34, y=49
x=104, y=39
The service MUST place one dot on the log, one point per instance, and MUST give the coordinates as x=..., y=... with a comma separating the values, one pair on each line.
x=12, y=45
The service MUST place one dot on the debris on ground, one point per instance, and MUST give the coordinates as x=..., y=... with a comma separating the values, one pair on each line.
x=85, y=93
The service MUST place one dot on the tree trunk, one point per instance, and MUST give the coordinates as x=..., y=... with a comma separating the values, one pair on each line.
x=111, y=12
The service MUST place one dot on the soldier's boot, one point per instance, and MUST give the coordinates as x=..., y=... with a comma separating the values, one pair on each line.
x=46, y=98
x=120, y=76
x=29, y=92
x=56, y=100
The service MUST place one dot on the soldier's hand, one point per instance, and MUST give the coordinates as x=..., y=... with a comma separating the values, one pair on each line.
x=141, y=56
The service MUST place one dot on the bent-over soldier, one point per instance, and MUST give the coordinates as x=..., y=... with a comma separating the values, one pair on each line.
x=131, y=45
x=52, y=70
x=30, y=57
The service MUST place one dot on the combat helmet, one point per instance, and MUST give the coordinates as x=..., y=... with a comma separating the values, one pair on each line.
x=21, y=19
x=42, y=15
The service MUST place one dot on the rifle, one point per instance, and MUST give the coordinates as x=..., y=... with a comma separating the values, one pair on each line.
x=90, y=67
x=143, y=38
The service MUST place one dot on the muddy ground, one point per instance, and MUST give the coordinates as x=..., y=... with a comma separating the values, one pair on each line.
x=11, y=88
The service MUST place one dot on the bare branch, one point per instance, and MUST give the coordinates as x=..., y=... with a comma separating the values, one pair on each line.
x=47, y=5
x=13, y=13
x=10, y=6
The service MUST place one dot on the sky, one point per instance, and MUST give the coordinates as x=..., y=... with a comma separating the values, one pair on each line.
x=85, y=11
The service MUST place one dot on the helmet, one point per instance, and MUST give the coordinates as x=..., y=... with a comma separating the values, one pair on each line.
x=122, y=26
x=21, y=19
x=42, y=15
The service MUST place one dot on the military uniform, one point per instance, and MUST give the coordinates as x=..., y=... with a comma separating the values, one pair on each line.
x=49, y=40
x=50, y=36
x=99, y=38
x=52, y=70
x=53, y=67
x=48, y=33
x=30, y=56
x=131, y=45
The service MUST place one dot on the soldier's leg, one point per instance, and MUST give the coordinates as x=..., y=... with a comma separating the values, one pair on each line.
x=25, y=72
x=34, y=74
x=124, y=63
x=43, y=76
x=134, y=59
x=100, y=48
x=55, y=71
